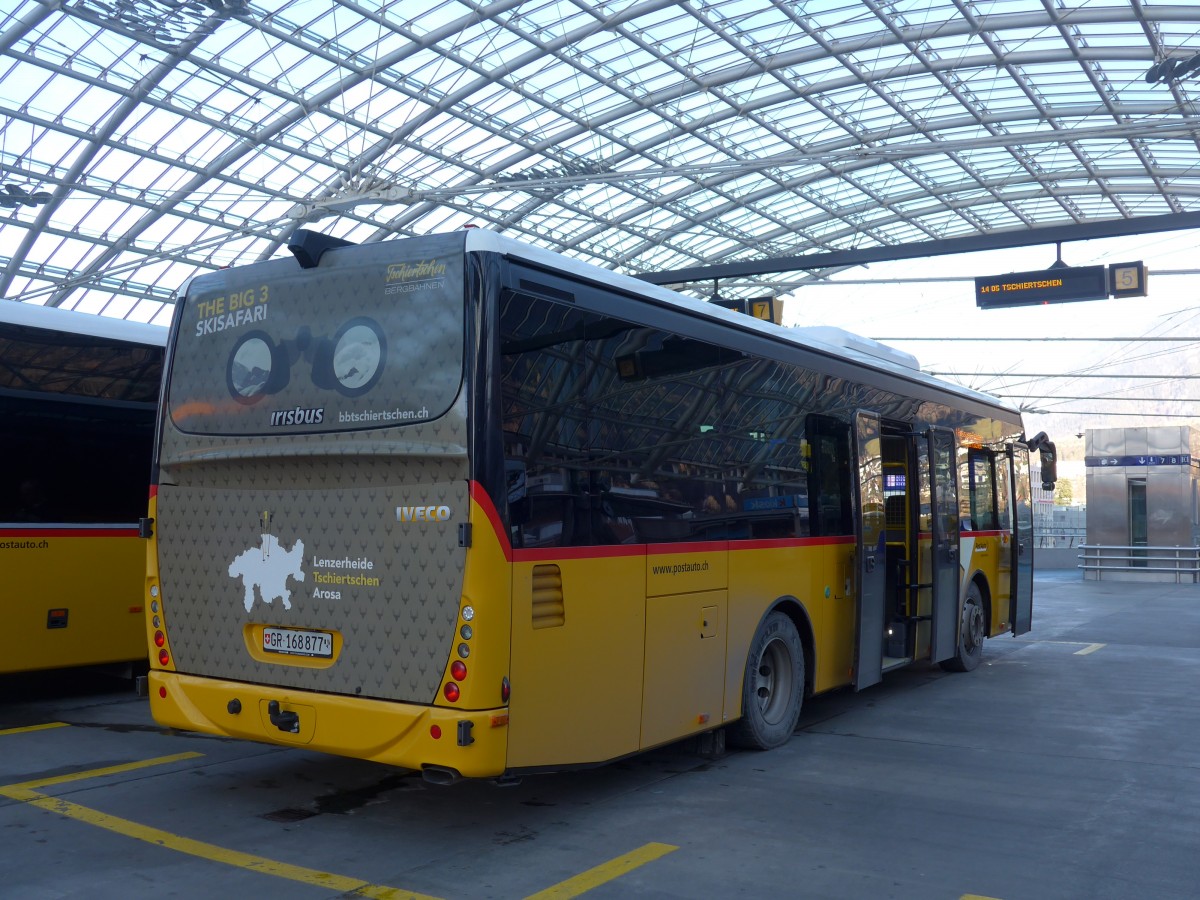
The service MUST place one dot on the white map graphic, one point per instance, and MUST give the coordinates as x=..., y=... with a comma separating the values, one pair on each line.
x=266, y=568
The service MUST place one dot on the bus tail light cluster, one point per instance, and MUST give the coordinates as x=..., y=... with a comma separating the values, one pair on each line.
x=458, y=668
x=160, y=636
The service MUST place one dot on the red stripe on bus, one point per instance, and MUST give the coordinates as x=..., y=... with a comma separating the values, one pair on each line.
x=481, y=498
x=982, y=533
x=76, y=532
x=610, y=551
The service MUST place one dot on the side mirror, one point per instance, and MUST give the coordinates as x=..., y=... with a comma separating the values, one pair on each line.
x=1049, y=459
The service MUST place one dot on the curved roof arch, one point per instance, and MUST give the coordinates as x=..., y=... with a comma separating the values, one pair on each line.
x=144, y=141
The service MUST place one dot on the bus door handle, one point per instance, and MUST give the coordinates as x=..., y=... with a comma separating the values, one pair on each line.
x=869, y=563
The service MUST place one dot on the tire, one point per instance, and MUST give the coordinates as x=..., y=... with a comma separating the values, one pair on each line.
x=972, y=630
x=772, y=686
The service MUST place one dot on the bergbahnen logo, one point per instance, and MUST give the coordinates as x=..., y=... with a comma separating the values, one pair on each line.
x=426, y=268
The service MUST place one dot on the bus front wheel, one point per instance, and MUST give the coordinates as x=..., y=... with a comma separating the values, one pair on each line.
x=971, y=632
x=773, y=686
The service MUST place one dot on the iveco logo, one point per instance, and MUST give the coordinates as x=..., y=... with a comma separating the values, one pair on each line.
x=422, y=514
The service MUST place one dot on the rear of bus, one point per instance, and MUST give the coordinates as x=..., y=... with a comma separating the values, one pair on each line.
x=308, y=579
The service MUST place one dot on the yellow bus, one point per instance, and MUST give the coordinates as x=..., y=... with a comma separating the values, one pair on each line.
x=79, y=399
x=468, y=507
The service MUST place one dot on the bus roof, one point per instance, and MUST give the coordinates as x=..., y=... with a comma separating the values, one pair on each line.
x=833, y=342
x=68, y=321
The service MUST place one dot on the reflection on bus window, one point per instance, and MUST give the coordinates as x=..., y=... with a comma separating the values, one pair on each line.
x=632, y=435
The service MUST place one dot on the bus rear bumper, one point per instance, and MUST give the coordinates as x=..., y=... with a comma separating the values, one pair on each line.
x=472, y=743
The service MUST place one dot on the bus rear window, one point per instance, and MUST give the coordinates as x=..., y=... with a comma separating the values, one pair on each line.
x=369, y=339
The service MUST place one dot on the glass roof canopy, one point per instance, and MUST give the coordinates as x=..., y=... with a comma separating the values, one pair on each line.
x=144, y=141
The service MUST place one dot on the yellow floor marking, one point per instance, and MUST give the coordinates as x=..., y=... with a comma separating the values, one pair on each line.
x=98, y=773
x=975, y=897
x=604, y=872
x=205, y=850
x=4, y=731
x=1090, y=648
x=24, y=793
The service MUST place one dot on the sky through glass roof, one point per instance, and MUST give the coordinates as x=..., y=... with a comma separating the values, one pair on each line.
x=144, y=141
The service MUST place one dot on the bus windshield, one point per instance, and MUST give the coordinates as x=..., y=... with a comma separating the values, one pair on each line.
x=79, y=413
x=370, y=341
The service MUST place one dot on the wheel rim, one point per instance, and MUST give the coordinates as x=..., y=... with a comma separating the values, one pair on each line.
x=972, y=625
x=773, y=681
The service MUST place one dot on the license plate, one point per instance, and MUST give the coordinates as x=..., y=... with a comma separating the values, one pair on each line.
x=295, y=642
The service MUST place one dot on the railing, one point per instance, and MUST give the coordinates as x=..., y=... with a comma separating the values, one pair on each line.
x=1052, y=540
x=1181, y=562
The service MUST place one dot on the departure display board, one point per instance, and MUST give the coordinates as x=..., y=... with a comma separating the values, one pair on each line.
x=1060, y=285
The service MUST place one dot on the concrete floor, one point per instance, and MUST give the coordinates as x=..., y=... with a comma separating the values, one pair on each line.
x=1067, y=766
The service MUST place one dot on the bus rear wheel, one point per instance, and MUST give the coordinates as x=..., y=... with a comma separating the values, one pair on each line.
x=772, y=687
x=971, y=632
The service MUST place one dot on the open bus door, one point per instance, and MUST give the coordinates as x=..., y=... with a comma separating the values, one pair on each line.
x=871, y=583
x=1022, y=544
x=943, y=552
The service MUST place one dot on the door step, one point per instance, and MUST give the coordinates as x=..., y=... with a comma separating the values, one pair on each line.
x=895, y=662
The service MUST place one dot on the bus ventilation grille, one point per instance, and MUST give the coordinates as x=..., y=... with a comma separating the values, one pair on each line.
x=548, y=608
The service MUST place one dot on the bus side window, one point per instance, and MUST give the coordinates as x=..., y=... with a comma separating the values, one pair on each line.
x=965, y=500
x=1003, y=493
x=543, y=410
x=829, y=476
x=980, y=495
x=518, y=496
x=643, y=395
x=768, y=470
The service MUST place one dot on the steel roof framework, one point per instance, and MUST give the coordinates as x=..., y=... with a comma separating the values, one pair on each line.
x=144, y=141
